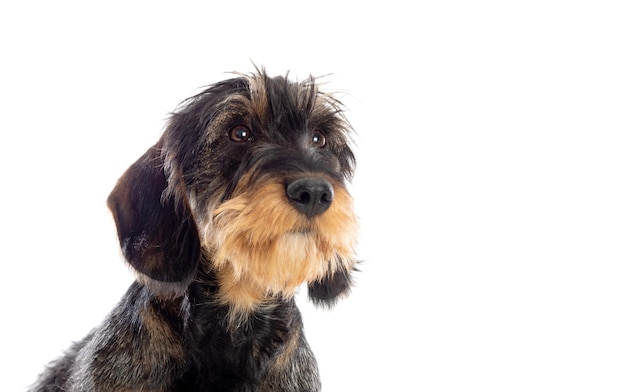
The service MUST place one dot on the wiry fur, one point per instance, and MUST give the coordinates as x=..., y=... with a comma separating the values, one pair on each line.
x=220, y=247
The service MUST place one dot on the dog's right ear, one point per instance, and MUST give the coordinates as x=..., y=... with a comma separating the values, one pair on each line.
x=157, y=233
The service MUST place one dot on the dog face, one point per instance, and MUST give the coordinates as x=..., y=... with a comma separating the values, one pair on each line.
x=248, y=181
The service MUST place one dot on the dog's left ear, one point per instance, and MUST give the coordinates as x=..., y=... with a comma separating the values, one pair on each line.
x=157, y=233
x=327, y=291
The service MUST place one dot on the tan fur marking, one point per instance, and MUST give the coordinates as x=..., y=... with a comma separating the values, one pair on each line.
x=285, y=357
x=259, y=97
x=262, y=246
x=163, y=342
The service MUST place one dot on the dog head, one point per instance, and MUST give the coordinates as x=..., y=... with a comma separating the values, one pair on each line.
x=250, y=177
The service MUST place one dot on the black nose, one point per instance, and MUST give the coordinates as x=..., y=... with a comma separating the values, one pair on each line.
x=311, y=196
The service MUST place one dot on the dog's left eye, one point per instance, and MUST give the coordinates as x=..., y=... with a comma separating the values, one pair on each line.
x=318, y=139
x=240, y=133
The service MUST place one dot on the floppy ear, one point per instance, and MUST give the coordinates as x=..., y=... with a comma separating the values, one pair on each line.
x=327, y=291
x=157, y=233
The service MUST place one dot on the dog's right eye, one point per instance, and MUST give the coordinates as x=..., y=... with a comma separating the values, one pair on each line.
x=240, y=133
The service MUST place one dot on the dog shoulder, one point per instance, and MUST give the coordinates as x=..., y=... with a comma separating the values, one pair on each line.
x=141, y=336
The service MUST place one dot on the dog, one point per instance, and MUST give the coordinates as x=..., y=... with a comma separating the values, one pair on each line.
x=242, y=200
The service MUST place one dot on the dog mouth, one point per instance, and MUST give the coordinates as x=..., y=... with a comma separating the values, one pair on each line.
x=303, y=228
x=263, y=239
x=262, y=219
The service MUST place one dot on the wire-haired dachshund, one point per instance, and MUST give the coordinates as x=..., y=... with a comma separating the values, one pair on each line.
x=241, y=201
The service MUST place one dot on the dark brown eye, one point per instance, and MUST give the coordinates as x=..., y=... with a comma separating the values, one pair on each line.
x=318, y=139
x=240, y=133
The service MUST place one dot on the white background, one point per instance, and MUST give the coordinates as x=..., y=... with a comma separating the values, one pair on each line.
x=491, y=187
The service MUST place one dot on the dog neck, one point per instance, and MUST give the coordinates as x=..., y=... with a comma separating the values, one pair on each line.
x=244, y=297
